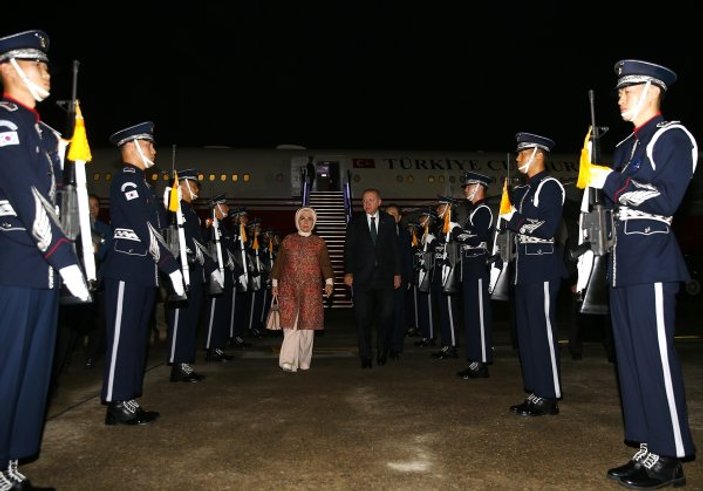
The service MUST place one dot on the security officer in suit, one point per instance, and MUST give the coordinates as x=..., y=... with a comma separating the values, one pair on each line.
x=475, y=237
x=219, y=306
x=652, y=169
x=131, y=275
x=373, y=270
x=183, y=317
x=535, y=216
x=35, y=254
x=401, y=296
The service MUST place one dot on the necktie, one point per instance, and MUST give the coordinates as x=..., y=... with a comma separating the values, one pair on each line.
x=374, y=234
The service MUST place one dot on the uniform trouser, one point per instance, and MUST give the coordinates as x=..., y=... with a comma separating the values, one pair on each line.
x=28, y=318
x=239, y=321
x=535, y=308
x=425, y=314
x=128, y=310
x=411, y=308
x=477, y=318
x=651, y=382
x=183, y=319
x=373, y=304
x=447, y=317
x=219, y=310
x=257, y=302
x=400, y=319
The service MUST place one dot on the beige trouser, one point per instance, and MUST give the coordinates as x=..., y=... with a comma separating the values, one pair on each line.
x=296, y=350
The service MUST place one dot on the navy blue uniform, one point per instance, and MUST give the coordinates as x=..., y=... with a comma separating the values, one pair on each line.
x=32, y=250
x=475, y=278
x=424, y=266
x=444, y=301
x=219, y=307
x=654, y=167
x=539, y=269
x=131, y=275
x=183, y=317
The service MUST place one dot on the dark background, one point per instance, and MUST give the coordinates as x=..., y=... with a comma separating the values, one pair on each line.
x=371, y=75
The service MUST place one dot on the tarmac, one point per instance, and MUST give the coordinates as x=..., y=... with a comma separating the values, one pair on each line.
x=409, y=425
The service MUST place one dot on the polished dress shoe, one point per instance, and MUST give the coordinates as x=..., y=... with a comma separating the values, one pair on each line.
x=518, y=408
x=631, y=466
x=12, y=479
x=183, y=372
x=238, y=342
x=445, y=353
x=540, y=406
x=655, y=472
x=128, y=413
x=366, y=363
x=476, y=369
x=217, y=355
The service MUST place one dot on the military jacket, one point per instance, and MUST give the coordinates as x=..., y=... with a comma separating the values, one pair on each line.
x=653, y=168
x=476, y=239
x=32, y=244
x=137, y=217
x=539, y=206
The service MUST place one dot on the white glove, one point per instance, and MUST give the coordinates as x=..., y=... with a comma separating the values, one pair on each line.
x=167, y=195
x=74, y=280
x=598, y=175
x=177, y=282
x=509, y=215
x=219, y=277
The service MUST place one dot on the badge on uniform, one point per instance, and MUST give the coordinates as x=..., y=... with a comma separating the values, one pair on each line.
x=132, y=194
x=9, y=138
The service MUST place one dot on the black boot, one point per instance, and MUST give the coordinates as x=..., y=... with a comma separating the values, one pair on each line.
x=655, y=472
x=631, y=466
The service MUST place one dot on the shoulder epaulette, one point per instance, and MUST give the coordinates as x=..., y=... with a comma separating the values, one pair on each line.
x=129, y=169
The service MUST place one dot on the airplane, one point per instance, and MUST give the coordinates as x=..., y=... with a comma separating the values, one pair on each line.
x=268, y=182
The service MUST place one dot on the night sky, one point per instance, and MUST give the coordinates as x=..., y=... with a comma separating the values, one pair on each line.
x=422, y=76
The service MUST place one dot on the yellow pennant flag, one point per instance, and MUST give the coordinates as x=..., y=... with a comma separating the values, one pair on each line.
x=585, y=162
x=271, y=245
x=79, y=150
x=414, y=242
x=242, y=232
x=255, y=244
x=173, y=198
x=504, y=199
x=447, y=219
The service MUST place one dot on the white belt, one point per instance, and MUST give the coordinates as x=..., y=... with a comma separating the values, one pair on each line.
x=625, y=213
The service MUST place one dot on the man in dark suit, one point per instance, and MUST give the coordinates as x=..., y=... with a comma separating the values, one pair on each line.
x=373, y=269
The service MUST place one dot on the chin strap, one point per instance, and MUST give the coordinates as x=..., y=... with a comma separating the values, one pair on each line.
x=631, y=114
x=147, y=163
x=525, y=167
x=37, y=92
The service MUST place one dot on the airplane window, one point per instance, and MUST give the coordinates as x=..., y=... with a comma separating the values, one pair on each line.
x=164, y=176
x=235, y=177
x=246, y=177
x=108, y=176
x=154, y=177
x=430, y=178
x=211, y=177
x=223, y=177
x=96, y=176
x=410, y=178
x=201, y=176
x=440, y=178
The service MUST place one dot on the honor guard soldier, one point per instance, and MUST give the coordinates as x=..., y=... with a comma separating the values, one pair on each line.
x=475, y=237
x=535, y=216
x=131, y=273
x=183, y=316
x=240, y=305
x=219, y=306
x=423, y=266
x=35, y=253
x=445, y=277
x=651, y=171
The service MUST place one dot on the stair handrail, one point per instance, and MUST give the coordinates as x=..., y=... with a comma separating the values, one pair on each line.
x=347, y=197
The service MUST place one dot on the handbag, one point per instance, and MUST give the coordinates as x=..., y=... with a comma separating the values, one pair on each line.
x=273, y=319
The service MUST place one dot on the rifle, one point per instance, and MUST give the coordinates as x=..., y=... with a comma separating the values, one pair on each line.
x=213, y=287
x=175, y=233
x=596, y=237
x=501, y=252
x=75, y=209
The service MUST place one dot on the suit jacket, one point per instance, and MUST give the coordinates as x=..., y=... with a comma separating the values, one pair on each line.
x=367, y=263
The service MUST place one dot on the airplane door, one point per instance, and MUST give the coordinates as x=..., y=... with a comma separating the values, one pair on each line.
x=327, y=175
